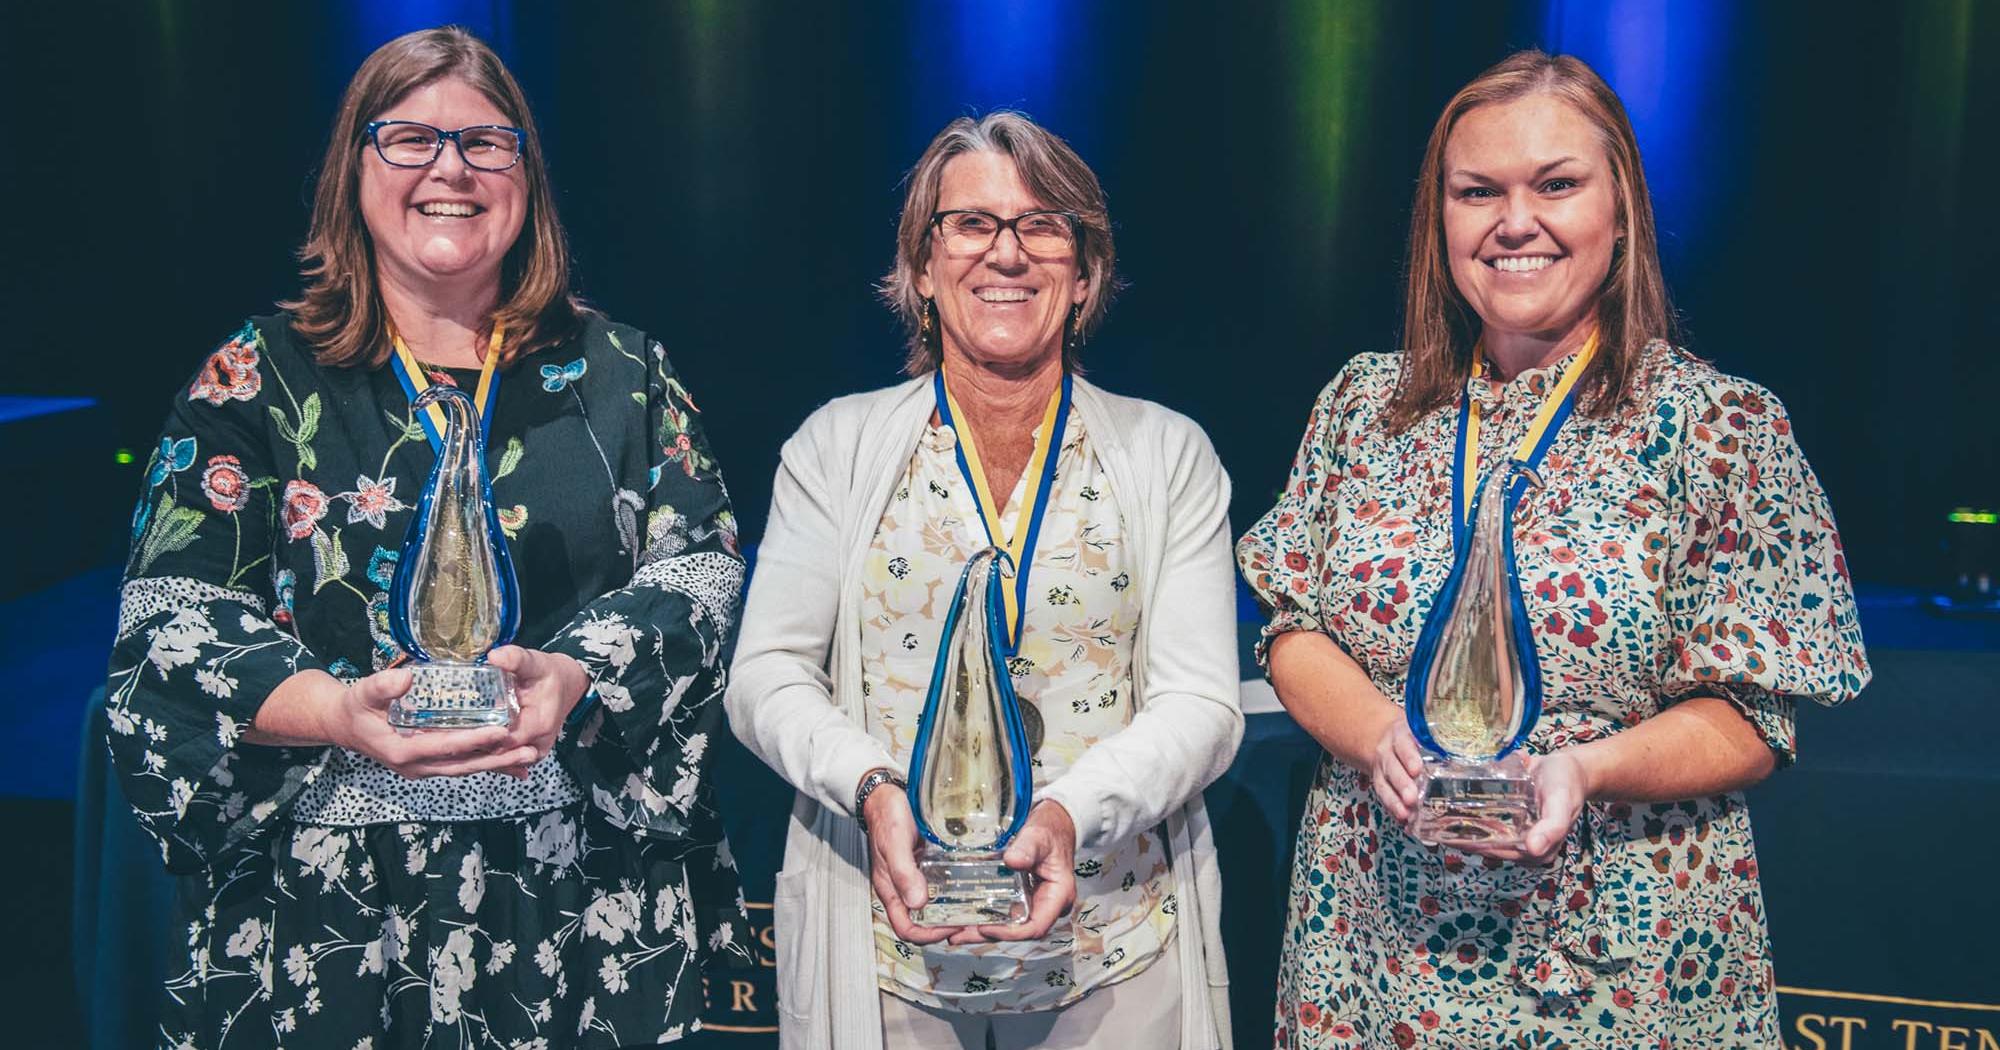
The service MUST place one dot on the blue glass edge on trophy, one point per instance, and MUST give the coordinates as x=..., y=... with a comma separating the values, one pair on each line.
x=1010, y=707
x=1416, y=685
x=461, y=409
x=921, y=747
x=1524, y=634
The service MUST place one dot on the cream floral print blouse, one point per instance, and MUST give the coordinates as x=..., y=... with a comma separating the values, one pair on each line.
x=1073, y=674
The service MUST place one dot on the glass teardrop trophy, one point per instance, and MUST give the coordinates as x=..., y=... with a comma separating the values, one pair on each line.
x=1474, y=690
x=970, y=780
x=454, y=598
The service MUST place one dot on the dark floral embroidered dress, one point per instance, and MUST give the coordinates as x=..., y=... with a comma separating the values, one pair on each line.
x=327, y=902
x=1685, y=549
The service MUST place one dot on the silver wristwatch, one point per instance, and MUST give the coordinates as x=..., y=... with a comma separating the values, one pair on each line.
x=875, y=778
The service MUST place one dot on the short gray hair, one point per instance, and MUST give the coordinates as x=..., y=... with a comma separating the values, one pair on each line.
x=1050, y=170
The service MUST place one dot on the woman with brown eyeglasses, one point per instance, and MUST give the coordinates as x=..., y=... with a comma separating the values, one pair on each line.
x=1123, y=641
x=553, y=882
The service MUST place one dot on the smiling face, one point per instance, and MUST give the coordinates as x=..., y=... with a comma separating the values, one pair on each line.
x=1001, y=307
x=1530, y=216
x=442, y=229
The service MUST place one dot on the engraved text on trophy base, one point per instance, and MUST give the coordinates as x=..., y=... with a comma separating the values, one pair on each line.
x=970, y=887
x=455, y=696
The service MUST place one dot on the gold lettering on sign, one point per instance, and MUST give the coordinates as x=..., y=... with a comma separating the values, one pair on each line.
x=1949, y=1037
x=765, y=934
x=1814, y=1027
x=1847, y=1027
x=742, y=997
x=768, y=937
x=1910, y=1036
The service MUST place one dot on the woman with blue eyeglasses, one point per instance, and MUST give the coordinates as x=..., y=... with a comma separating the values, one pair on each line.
x=555, y=882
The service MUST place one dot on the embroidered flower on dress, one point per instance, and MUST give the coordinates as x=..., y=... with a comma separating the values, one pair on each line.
x=556, y=377
x=371, y=500
x=286, y=584
x=230, y=373
x=382, y=566
x=304, y=505
x=225, y=484
x=172, y=458
x=379, y=632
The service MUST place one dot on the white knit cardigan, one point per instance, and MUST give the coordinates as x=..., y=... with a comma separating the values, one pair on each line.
x=794, y=694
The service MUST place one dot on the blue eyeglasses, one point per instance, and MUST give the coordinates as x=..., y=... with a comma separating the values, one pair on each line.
x=408, y=144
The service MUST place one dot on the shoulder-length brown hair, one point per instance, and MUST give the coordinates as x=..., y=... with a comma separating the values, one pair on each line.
x=1051, y=171
x=1440, y=329
x=339, y=311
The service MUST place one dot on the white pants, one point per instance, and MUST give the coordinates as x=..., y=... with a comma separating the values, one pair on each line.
x=1143, y=1010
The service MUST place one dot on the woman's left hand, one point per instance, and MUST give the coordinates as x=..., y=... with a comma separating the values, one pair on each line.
x=548, y=686
x=1046, y=850
x=1561, y=789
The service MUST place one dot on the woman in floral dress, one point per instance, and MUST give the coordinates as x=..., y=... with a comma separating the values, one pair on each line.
x=1681, y=574
x=556, y=883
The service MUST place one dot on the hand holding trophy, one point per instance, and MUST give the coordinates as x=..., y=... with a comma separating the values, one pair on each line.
x=970, y=781
x=454, y=598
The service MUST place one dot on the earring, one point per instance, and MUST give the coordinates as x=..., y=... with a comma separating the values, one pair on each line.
x=1073, y=337
x=924, y=322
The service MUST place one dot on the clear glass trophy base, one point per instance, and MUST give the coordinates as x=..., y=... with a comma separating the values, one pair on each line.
x=1473, y=803
x=969, y=888
x=455, y=696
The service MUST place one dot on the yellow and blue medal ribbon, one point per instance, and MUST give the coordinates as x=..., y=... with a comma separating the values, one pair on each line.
x=411, y=375
x=1549, y=420
x=1556, y=410
x=1041, y=473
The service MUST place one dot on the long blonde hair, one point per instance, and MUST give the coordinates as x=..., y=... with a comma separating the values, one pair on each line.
x=1440, y=329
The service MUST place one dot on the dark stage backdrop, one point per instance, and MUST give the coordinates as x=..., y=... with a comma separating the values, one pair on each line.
x=729, y=173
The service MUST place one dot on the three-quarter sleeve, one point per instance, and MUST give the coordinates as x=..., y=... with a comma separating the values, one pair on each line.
x=202, y=624
x=1759, y=604
x=1283, y=556
x=656, y=648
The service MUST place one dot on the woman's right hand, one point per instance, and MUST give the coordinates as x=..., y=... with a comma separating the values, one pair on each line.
x=1398, y=762
x=314, y=707
x=899, y=883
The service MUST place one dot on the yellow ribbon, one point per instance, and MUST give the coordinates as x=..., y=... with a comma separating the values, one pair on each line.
x=1469, y=482
x=1016, y=543
x=420, y=382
